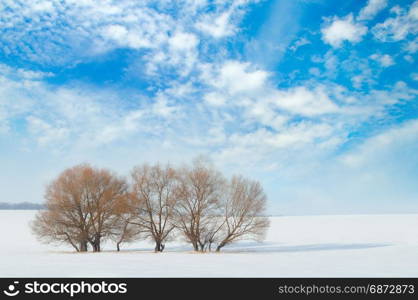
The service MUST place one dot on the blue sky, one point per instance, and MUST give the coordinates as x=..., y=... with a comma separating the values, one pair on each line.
x=315, y=99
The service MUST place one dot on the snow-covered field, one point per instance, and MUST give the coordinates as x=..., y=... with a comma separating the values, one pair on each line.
x=308, y=246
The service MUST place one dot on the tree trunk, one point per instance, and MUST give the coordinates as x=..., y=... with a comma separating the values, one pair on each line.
x=202, y=247
x=96, y=246
x=73, y=244
x=220, y=246
x=83, y=246
x=159, y=246
x=118, y=246
x=96, y=243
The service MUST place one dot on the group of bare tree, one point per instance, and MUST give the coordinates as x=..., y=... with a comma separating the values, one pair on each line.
x=86, y=206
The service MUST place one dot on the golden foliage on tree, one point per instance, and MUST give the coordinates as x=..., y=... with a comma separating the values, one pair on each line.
x=86, y=206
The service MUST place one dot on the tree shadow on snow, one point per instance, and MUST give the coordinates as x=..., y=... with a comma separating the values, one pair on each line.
x=183, y=248
x=274, y=248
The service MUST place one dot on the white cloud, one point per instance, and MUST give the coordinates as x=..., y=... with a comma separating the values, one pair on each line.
x=20, y=73
x=339, y=30
x=163, y=108
x=183, y=41
x=296, y=135
x=302, y=101
x=221, y=22
x=60, y=32
x=177, y=54
x=78, y=116
x=234, y=95
x=115, y=32
x=299, y=43
x=235, y=77
x=76, y=30
x=372, y=8
x=384, y=60
x=397, y=28
x=377, y=145
x=409, y=58
x=412, y=46
x=215, y=99
x=117, y=130
x=16, y=86
x=288, y=151
x=376, y=176
x=125, y=38
x=358, y=81
x=45, y=132
x=260, y=103
x=413, y=12
x=315, y=71
x=216, y=26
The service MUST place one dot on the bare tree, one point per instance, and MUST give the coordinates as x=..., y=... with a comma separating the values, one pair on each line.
x=154, y=188
x=86, y=205
x=210, y=233
x=102, y=190
x=243, y=208
x=52, y=227
x=66, y=215
x=80, y=207
x=198, y=195
x=125, y=230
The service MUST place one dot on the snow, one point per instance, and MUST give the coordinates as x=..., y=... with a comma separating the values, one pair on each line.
x=296, y=246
